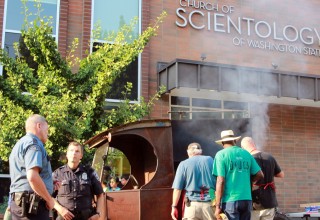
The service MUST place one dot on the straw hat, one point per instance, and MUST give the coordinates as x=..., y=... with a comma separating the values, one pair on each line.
x=227, y=135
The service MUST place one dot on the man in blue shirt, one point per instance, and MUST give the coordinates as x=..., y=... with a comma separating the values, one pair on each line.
x=194, y=175
x=31, y=174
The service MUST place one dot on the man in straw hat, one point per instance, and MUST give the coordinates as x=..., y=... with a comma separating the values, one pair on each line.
x=234, y=167
x=194, y=176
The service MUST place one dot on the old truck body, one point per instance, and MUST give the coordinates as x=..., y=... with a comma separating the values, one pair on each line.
x=154, y=149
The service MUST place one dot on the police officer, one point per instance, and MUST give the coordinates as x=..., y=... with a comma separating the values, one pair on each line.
x=76, y=186
x=31, y=175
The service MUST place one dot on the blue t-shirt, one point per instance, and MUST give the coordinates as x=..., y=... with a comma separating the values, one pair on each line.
x=28, y=153
x=195, y=176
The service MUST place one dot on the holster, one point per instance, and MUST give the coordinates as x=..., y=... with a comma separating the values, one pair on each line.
x=21, y=199
x=17, y=198
x=34, y=204
x=29, y=202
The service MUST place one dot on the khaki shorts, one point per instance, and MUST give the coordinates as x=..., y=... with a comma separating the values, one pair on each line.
x=263, y=214
x=199, y=210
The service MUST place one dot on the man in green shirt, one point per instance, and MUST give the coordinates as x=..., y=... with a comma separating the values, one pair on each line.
x=234, y=167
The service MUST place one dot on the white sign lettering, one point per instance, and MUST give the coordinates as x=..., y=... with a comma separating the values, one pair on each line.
x=211, y=16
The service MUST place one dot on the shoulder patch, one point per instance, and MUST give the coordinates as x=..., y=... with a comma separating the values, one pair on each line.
x=34, y=147
x=91, y=172
x=94, y=173
x=34, y=141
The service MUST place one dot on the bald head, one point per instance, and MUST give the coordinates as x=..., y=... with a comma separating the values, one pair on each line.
x=248, y=144
x=33, y=120
x=37, y=125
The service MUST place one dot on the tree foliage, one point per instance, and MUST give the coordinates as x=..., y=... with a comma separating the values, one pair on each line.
x=73, y=103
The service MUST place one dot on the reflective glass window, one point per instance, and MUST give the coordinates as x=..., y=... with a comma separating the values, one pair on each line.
x=15, y=13
x=110, y=16
x=15, y=18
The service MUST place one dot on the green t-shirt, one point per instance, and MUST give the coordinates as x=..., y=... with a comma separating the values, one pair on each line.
x=236, y=166
x=212, y=194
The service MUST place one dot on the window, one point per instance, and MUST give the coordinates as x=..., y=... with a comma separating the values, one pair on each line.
x=110, y=16
x=128, y=75
x=188, y=108
x=14, y=20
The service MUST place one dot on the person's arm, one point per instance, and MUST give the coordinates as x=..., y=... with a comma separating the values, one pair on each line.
x=101, y=208
x=219, y=192
x=39, y=187
x=175, y=200
x=258, y=176
x=280, y=175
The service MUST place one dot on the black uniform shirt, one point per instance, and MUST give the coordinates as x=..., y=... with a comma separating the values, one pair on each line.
x=77, y=187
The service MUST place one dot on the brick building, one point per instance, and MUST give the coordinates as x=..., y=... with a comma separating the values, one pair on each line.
x=218, y=59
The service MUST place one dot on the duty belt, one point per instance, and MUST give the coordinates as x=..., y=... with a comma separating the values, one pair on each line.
x=26, y=194
x=28, y=201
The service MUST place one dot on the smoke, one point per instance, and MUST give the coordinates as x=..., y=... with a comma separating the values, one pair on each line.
x=260, y=124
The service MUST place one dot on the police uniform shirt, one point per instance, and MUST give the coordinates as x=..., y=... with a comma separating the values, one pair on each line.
x=28, y=153
x=77, y=187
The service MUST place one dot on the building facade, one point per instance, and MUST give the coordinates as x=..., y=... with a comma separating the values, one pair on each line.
x=219, y=59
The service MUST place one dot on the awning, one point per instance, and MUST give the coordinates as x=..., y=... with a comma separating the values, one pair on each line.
x=232, y=78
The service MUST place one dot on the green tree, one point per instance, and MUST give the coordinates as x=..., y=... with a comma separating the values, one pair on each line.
x=73, y=103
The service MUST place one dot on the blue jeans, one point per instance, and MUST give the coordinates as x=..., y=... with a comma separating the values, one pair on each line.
x=238, y=210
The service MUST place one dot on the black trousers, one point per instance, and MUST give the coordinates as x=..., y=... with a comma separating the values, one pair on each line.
x=79, y=215
x=16, y=212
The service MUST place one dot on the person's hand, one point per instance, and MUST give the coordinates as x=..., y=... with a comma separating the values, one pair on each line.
x=56, y=185
x=174, y=213
x=217, y=213
x=65, y=213
x=94, y=217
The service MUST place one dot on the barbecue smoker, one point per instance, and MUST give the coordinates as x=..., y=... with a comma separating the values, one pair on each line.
x=154, y=149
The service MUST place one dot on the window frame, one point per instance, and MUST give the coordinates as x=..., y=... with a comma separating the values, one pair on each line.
x=5, y=30
x=191, y=109
x=139, y=75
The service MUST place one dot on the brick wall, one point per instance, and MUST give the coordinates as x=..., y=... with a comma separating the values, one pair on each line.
x=188, y=43
x=293, y=139
x=75, y=22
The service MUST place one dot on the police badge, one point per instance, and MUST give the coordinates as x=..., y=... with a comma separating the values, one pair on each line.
x=84, y=176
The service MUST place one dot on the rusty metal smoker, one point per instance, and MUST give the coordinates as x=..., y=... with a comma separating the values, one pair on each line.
x=154, y=149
